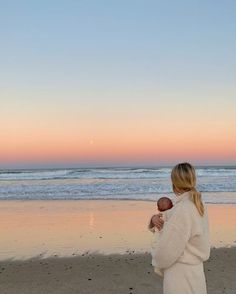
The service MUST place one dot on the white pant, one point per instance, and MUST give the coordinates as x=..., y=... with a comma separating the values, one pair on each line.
x=182, y=278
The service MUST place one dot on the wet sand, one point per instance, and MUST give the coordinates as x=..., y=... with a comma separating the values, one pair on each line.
x=31, y=228
x=106, y=274
x=97, y=247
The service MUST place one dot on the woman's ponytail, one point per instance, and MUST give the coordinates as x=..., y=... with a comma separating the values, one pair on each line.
x=197, y=199
x=183, y=177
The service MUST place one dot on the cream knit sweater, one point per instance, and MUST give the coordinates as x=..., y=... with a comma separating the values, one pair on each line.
x=185, y=236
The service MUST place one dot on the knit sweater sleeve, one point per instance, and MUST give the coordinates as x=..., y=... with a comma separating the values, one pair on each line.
x=174, y=238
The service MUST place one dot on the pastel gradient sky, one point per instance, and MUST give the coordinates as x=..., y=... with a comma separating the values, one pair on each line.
x=117, y=83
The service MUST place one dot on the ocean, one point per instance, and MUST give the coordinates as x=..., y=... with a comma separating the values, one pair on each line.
x=217, y=184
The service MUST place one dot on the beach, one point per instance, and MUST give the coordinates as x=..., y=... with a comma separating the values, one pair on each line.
x=106, y=107
x=106, y=274
x=97, y=246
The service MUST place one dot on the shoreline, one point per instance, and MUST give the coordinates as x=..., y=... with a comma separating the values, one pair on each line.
x=227, y=201
x=98, y=199
x=62, y=227
x=106, y=274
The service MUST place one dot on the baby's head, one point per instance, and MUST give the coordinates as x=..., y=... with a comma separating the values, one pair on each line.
x=164, y=203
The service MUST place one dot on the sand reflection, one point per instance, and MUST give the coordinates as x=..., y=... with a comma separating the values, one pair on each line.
x=30, y=228
x=91, y=220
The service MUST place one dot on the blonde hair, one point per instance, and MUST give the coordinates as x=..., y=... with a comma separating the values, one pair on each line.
x=183, y=177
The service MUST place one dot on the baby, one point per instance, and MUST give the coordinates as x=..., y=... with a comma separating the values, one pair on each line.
x=163, y=204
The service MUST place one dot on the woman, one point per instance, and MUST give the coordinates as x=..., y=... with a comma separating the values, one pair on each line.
x=184, y=242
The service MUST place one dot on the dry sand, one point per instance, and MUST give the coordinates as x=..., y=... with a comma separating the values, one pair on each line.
x=106, y=274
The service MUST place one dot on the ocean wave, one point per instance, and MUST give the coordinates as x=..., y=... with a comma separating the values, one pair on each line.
x=108, y=173
x=99, y=183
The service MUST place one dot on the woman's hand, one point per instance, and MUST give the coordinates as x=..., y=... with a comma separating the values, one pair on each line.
x=158, y=221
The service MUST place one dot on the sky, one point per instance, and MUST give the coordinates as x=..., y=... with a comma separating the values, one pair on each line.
x=117, y=83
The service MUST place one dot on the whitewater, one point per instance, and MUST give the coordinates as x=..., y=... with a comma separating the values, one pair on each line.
x=217, y=184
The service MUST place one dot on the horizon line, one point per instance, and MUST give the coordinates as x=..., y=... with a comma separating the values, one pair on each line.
x=115, y=167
